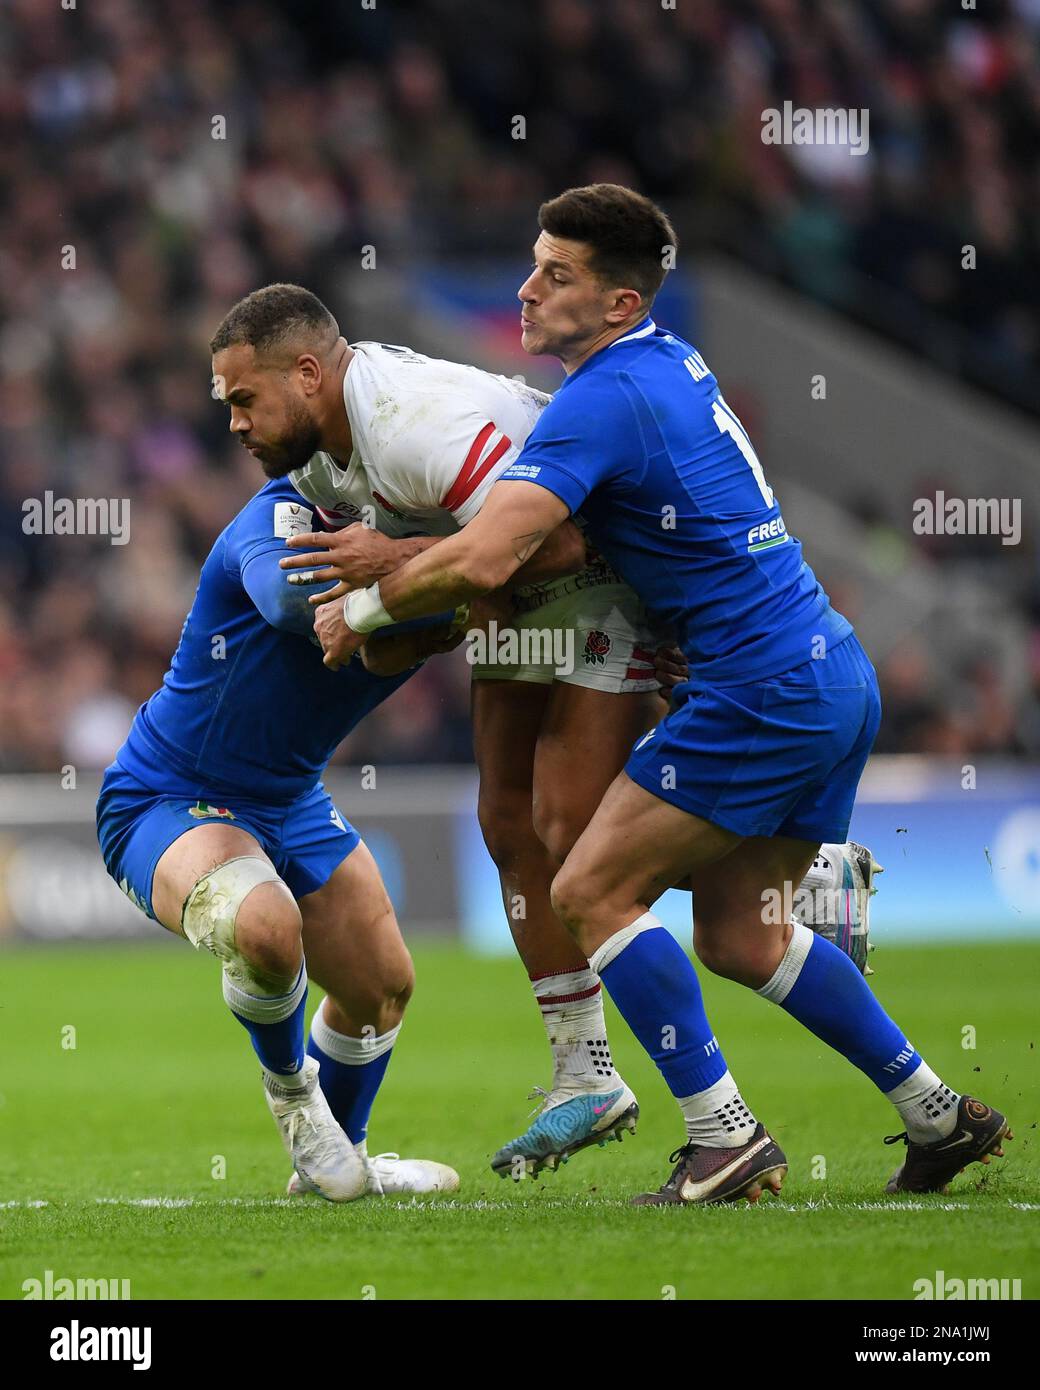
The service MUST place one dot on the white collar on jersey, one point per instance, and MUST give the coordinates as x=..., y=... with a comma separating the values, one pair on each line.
x=648, y=326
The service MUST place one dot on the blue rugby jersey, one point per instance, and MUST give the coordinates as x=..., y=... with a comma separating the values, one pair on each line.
x=247, y=707
x=641, y=441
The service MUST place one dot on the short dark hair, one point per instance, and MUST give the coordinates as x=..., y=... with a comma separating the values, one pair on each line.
x=273, y=316
x=629, y=235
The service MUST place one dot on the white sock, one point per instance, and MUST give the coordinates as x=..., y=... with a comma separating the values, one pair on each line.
x=572, y=1011
x=352, y=1052
x=926, y=1106
x=718, y=1117
x=816, y=897
x=823, y=902
x=782, y=981
x=284, y=1085
x=261, y=1007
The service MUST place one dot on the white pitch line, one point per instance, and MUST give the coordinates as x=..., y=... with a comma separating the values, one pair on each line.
x=812, y=1205
x=168, y=1203
x=484, y=1204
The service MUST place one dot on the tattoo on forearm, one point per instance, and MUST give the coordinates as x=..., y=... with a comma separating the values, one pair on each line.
x=525, y=546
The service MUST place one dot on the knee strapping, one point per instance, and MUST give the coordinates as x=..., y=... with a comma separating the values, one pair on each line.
x=210, y=911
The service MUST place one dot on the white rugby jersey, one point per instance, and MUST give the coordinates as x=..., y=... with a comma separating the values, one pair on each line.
x=430, y=440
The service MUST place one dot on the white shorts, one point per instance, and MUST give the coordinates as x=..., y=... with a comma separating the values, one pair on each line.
x=578, y=631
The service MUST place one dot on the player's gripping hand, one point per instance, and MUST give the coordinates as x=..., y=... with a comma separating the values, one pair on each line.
x=671, y=668
x=389, y=653
x=357, y=556
x=338, y=641
x=497, y=606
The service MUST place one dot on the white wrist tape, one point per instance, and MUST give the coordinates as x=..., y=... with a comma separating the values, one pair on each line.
x=363, y=610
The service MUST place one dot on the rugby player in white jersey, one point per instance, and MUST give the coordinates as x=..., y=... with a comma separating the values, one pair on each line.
x=410, y=447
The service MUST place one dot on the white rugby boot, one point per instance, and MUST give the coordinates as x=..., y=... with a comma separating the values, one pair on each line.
x=321, y=1153
x=834, y=898
x=391, y=1175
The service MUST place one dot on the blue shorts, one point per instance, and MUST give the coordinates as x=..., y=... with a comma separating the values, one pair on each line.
x=777, y=757
x=306, y=840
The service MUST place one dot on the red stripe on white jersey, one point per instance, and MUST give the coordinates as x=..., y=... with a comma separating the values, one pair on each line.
x=475, y=470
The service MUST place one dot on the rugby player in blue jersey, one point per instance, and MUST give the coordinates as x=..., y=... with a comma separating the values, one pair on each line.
x=759, y=759
x=214, y=821
x=413, y=445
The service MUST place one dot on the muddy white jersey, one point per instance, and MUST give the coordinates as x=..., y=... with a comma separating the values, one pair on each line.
x=430, y=440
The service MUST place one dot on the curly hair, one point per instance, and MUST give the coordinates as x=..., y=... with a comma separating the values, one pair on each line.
x=275, y=316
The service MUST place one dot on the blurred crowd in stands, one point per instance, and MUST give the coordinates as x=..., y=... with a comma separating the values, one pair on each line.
x=156, y=163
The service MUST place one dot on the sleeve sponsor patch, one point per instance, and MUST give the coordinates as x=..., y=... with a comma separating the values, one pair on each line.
x=291, y=518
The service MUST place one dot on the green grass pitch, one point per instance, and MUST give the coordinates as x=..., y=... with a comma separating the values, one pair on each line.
x=107, y=1149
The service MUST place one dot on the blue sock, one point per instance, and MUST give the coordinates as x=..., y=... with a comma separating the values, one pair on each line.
x=274, y=1023
x=351, y=1070
x=819, y=985
x=655, y=987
